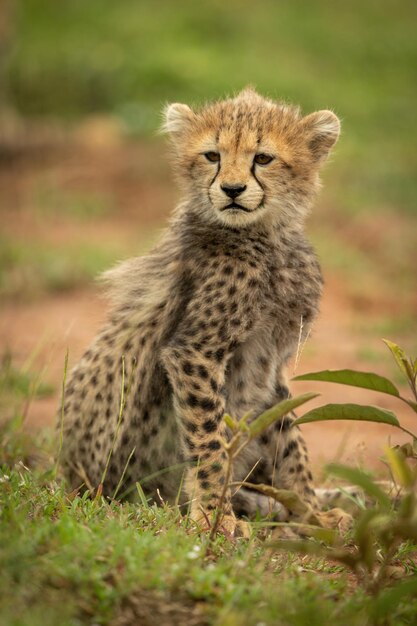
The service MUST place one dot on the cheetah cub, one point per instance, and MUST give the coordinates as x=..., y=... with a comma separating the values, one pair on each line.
x=206, y=322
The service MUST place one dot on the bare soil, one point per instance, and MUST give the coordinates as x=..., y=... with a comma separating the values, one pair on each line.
x=136, y=180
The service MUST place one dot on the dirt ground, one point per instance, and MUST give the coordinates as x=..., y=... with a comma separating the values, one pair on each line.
x=141, y=192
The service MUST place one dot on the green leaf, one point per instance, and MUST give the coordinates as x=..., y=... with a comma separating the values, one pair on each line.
x=242, y=424
x=365, y=537
x=363, y=413
x=230, y=422
x=366, y=380
x=407, y=512
x=407, y=450
x=358, y=477
x=383, y=604
x=400, y=358
x=406, y=528
x=263, y=421
x=399, y=467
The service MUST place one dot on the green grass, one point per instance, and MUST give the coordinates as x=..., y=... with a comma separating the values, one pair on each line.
x=19, y=382
x=18, y=387
x=69, y=59
x=30, y=269
x=70, y=560
x=52, y=199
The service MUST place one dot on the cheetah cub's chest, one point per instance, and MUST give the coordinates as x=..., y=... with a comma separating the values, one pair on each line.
x=291, y=282
x=296, y=286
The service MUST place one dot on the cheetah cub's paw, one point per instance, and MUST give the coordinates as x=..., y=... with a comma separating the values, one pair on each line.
x=335, y=518
x=229, y=525
x=234, y=527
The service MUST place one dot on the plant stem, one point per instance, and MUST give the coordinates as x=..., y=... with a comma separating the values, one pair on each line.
x=231, y=453
x=413, y=435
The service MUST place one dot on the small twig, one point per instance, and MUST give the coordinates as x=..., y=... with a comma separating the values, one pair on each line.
x=161, y=500
x=231, y=453
x=413, y=435
x=239, y=483
x=413, y=385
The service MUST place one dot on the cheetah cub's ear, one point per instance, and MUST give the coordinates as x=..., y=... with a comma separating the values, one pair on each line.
x=177, y=118
x=322, y=130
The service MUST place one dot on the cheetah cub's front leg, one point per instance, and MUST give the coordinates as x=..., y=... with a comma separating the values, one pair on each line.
x=199, y=407
x=196, y=360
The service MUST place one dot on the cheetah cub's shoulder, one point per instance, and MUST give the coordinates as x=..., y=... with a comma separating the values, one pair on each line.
x=206, y=322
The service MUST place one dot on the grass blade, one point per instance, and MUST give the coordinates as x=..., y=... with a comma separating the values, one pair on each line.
x=61, y=425
x=119, y=484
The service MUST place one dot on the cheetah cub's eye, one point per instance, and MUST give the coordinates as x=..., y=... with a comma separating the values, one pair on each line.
x=263, y=159
x=213, y=157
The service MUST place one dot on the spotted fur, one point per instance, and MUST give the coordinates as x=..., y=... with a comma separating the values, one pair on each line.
x=206, y=322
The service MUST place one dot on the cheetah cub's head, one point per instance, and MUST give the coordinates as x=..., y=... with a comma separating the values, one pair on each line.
x=248, y=158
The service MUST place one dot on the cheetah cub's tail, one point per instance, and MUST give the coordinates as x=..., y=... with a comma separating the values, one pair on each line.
x=346, y=496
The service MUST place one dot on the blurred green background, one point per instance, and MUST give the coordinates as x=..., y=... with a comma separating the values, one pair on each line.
x=69, y=58
x=85, y=181
x=85, y=178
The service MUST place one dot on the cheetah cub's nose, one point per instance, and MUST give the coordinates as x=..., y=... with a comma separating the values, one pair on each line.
x=233, y=191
